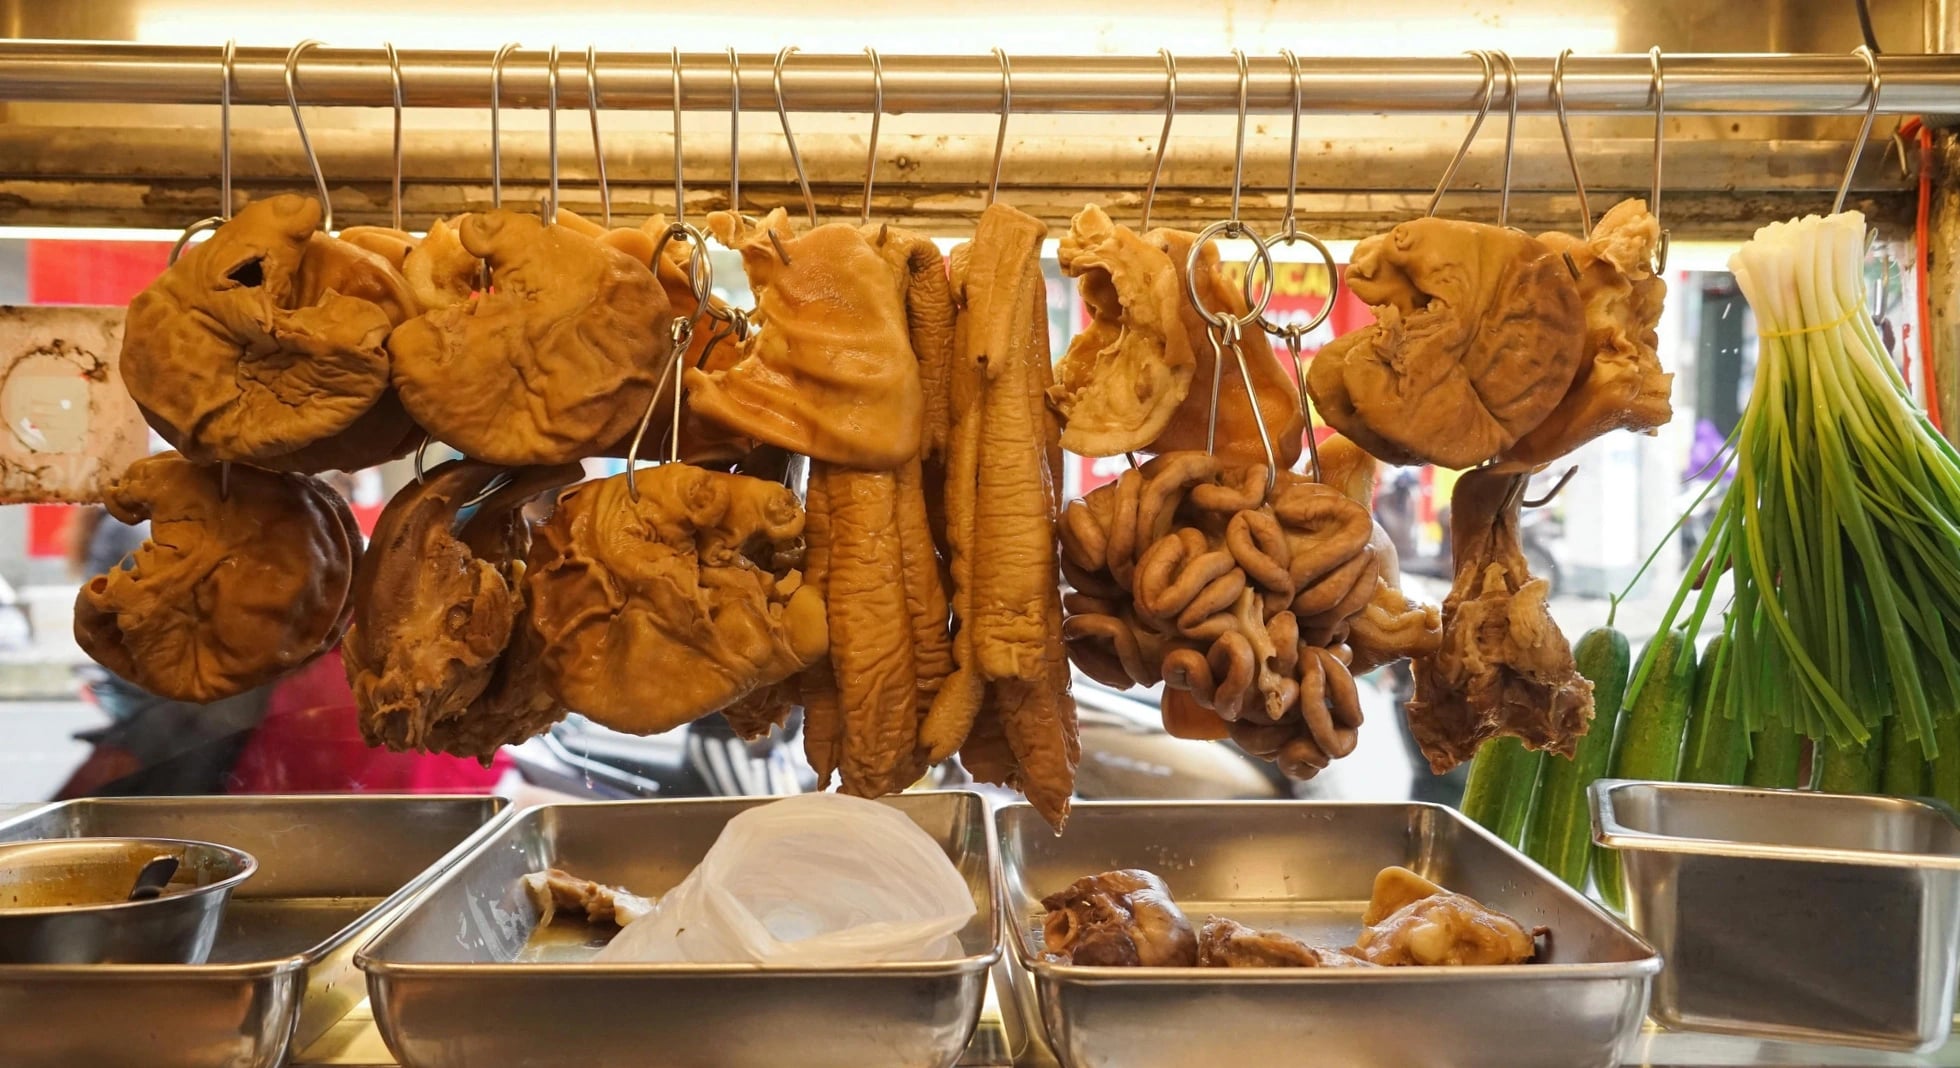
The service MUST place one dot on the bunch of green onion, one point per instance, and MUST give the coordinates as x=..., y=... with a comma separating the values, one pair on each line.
x=1841, y=531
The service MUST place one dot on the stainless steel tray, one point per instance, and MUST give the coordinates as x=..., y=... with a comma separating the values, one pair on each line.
x=330, y=870
x=1790, y=914
x=449, y=988
x=1307, y=868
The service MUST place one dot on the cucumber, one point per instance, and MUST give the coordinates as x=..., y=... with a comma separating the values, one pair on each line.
x=1777, y=757
x=1856, y=770
x=1945, y=773
x=1718, y=748
x=1905, y=765
x=1649, y=742
x=1503, y=775
x=1559, y=834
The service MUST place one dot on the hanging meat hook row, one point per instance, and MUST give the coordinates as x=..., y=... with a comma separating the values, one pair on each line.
x=1660, y=131
x=1006, y=109
x=1557, y=487
x=305, y=142
x=496, y=123
x=1163, y=138
x=1565, y=134
x=227, y=66
x=551, y=132
x=1290, y=233
x=395, y=90
x=1510, y=134
x=598, y=149
x=877, y=114
x=1873, y=85
x=1476, y=124
x=795, y=157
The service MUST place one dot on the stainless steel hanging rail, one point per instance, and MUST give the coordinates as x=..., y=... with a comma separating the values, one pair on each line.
x=1703, y=84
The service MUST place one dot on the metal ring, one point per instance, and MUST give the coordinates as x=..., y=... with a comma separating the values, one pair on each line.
x=795, y=157
x=700, y=269
x=305, y=142
x=598, y=150
x=1872, y=88
x=1235, y=229
x=1463, y=150
x=1006, y=109
x=551, y=130
x=1164, y=138
x=496, y=123
x=1565, y=134
x=734, y=132
x=877, y=114
x=1333, y=284
x=395, y=86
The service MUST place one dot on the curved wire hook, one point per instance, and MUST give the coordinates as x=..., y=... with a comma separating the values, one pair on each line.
x=1873, y=86
x=395, y=87
x=734, y=132
x=551, y=130
x=1565, y=134
x=1291, y=228
x=496, y=123
x=1164, y=138
x=226, y=68
x=1463, y=150
x=795, y=158
x=1006, y=109
x=1510, y=135
x=1238, y=147
x=680, y=186
x=1660, y=129
x=1554, y=491
x=877, y=113
x=305, y=142
x=598, y=150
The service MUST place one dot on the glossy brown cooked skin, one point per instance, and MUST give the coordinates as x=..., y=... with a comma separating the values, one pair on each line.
x=1124, y=375
x=441, y=634
x=686, y=578
x=1479, y=332
x=1120, y=918
x=1504, y=667
x=1224, y=943
x=830, y=371
x=238, y=352
x=1412, y=921
x=561, y=356
x=228, y=593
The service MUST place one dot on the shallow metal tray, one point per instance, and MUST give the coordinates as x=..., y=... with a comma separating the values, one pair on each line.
x=331, y=869
x=1307, y=868
x=1791, y=914
x=450, y=989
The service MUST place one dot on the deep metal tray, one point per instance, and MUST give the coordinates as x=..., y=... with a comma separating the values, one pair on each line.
x=331, y=869
x=1790, y=914
x=1307, y=868
x=449, y=989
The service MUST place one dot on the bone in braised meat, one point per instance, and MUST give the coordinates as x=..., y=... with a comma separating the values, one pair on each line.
x=1125, y=374
x=1503, y=667
x=1117, y=918
x=561, y=356
x=1412, y=921
x=686, y=577
x=1619, y=385
x=441, y=656
x=231, y=590
x=1278, y=394
x=1225, y=943
x=553, y=890
x=1479, y=334
x=236, y=352
x=829, y=372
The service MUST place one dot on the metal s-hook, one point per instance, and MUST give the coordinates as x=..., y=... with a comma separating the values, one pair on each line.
x=1510, y=135
x=1565, y=134
x=700, y=273
x=395, y=87
x=1873, y=85
x=680, y=186
x=305, y=142
x=1163, y=138
x=227, y=64
x=795, y=157
x=877, y=114
x=734, y=132
x=551, y=131
x=1289, y=227
x=1238, y=145
x=1554, y=491
x=1006, y=109
x=598, y=149
x=1476, y=124
x=1660, y=133
x=496, y=123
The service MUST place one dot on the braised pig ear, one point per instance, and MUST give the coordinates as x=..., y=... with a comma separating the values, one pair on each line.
x=617, y=584
x=1125, y=375
x=230, y=591
x=830, y=373
x=1278, y=394
x=560, y=357
x=1620, y=385
x=231, y=357
x=440, y=271
x=1479, y=332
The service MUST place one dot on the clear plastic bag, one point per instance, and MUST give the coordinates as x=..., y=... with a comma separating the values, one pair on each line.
x=816, y=880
